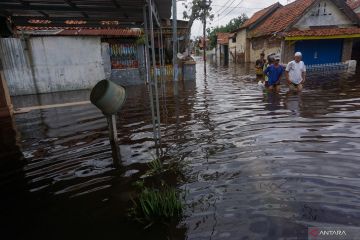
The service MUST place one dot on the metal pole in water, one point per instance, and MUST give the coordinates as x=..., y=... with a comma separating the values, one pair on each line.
x=175, y=42
x=153, y=52
x=163, y=62
x=148, y=75
x=204, y=33
x=114, y=142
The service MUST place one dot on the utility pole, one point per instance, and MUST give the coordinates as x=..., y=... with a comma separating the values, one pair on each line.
x=204, y=34
x=175, y=41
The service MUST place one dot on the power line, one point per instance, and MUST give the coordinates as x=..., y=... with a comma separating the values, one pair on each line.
x=223, y=6
x=226, y=8
x=234, y=8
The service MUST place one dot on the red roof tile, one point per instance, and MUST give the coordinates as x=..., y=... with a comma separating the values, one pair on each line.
x=282, y=18
x=353, y=3
x=222, y=38
x=323, y=32
x=258, y=15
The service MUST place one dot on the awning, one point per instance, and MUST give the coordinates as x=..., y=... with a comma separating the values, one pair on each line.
x=81, y=13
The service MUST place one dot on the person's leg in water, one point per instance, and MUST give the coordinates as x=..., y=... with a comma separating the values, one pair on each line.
x=277, y=88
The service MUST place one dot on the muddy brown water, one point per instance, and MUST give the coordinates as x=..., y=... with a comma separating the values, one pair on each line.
x=258, y=166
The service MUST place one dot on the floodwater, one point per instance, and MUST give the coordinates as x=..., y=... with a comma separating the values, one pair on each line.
x=258, y=166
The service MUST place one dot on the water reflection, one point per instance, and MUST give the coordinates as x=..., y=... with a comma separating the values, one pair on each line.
x=259, y=166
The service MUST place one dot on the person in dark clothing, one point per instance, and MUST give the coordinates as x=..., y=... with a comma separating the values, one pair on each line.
x=259, y=66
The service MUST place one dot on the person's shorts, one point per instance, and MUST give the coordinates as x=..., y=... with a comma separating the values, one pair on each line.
x=274, y=85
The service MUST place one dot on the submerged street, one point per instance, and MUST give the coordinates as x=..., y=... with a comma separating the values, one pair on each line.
x=255, y=165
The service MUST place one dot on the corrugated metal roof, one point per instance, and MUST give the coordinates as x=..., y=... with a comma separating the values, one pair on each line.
x=86, y=12
x=80, y=31
x=101, y=32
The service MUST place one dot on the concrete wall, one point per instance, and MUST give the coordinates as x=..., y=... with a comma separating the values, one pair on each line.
x=266, y=45
x=105, y=54
x=52, y=64
x=327, y=14
x=66, y=63
x=127, y=77
x=347, y=50
x=232, y=48
x=288, y=51
x=241, y=45
x=241, y=41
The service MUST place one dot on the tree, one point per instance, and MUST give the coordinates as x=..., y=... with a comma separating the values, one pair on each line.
x=234, y=24
x=196, y=9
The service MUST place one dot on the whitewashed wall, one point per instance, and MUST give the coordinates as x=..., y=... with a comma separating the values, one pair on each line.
x=326, y=13
x=53, y=64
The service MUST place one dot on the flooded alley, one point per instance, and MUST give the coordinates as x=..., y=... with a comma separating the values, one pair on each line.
x=255, y=165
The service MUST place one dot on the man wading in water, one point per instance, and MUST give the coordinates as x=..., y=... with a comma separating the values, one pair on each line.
x=259, y=65
x=274, y=73
x=296, y=73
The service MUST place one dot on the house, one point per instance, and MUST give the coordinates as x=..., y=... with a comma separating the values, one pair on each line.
x=222, y=47
x=355, y=6
x=44, y=60
x=323, y=30
x=240, y=42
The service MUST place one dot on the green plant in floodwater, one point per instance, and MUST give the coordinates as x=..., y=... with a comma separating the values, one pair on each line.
x=156, y=166
x=157, y=205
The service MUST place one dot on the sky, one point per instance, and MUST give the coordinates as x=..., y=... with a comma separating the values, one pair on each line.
x=225, y=10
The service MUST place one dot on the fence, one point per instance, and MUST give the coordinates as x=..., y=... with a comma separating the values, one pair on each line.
x=330, y=67
x=168, y=71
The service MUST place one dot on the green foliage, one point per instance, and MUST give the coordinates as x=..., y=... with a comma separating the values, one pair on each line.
x=156, y=166
x=234, y=24
x=140, y=41
x=157, y=206
x=195, y=10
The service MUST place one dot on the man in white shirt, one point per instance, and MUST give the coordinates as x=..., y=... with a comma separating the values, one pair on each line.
x=296, y=73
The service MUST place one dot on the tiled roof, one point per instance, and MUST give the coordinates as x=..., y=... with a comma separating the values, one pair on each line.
x=282, y=18
x=323, y=32
x=258, y=15
x=353, y=3
x=222, y=38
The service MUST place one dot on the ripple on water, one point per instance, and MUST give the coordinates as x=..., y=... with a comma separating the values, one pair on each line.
x=259, y=166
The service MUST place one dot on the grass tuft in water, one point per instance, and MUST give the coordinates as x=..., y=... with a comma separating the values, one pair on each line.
x=157, y=206
x=156, y=166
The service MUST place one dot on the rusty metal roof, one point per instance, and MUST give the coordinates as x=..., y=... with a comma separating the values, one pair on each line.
x=79, y=13
x=118, y=32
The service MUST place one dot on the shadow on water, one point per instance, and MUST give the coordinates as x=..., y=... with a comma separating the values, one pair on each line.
x=258, y=166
